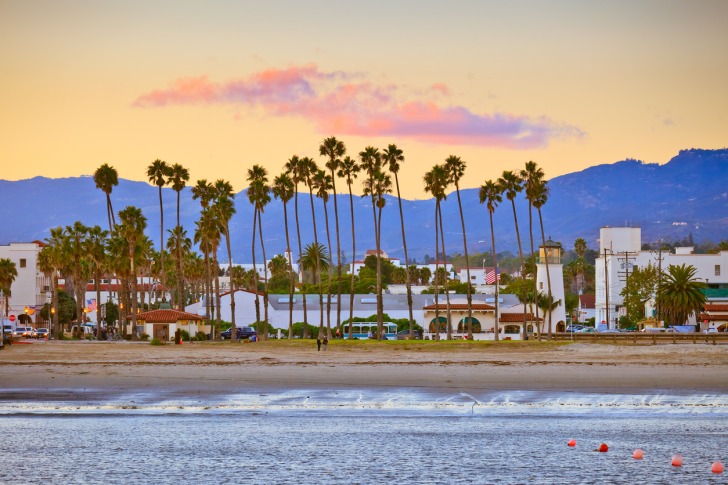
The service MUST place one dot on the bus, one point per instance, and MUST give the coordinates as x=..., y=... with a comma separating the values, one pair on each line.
x=362, y=330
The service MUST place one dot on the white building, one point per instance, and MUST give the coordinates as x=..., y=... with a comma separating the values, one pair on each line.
x=620, y=253
x=551, y=253
x=357, y=265
x=480, y=276
x=31, y=289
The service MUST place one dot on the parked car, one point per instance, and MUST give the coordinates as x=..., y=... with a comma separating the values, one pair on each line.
x=21, y=332
x=404, y=334
x=243, y=333
x=41, y=333
x=575, y=328
x=588, y=330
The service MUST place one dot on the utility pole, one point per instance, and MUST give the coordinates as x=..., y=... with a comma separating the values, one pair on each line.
x=606, y=286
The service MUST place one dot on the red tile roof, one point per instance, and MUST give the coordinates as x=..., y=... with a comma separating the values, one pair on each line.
x=713, y=318
x=517, y=318
x=716, y=307
x=167, y=316
x=460, y=306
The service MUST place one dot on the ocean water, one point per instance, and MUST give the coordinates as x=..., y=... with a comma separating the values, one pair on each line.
x=358, y=437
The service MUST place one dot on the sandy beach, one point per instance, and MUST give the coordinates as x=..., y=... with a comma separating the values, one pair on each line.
x=111, y=367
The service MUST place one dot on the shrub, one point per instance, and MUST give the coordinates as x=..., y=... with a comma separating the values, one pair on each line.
x=144, y=337
x=185, y=335
x=156, y=341
x=200, y=336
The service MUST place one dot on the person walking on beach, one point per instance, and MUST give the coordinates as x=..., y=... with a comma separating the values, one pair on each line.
x=326, y=343
x=318, y=344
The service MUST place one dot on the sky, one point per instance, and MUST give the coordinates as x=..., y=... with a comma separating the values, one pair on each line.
x=219, y=86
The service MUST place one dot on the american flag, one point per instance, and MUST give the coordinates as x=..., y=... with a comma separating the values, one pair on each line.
x=490, y=277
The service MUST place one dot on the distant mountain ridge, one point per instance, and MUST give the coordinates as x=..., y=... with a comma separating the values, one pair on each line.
x=689, y=194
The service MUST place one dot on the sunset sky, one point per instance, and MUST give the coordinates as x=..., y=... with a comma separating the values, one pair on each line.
x=218, y=86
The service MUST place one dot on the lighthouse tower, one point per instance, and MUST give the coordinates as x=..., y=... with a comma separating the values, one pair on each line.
x=552, y=252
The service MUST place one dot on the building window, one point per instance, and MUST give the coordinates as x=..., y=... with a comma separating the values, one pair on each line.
x=472, y=277
x=23, y=263
x=717, y=270
x=540, y=285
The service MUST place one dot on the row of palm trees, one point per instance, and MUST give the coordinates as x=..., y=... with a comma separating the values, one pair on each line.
x=377, y=169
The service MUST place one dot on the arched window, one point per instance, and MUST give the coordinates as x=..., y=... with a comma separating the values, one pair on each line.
x=443, y=325
x=463, y=325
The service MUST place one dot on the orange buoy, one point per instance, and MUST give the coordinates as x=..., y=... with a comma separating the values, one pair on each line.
x=603, y=448
x=677, y=459
x=638, y=454
x=717, y=467
x=572, y=443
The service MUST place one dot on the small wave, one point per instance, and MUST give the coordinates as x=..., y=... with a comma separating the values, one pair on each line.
x=372, y=401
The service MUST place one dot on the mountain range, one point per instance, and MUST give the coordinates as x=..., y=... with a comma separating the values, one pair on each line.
x=687, y=195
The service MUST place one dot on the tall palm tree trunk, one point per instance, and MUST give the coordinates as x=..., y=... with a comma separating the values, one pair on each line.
x=467, y=266
x=290, y=273
x=97, y=287
x=338, y=253
x=447, y=285
x=328, y=291
x=353, y=259
x=54, y=300
x=110, y=212
x=437, y=267
x=548, y=274
x=380, y=304
x=318, y=266
x=161, y=247
x=524, y=335
x=535, y=284
x=265, y=276
x=495, y=264
x=408, y=282
x=216, y=333
x=233, y=332
x=206, y=287
x=255, y=268
x=300, y=253
x=134, y=305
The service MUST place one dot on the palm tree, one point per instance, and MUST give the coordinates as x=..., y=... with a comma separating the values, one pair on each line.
x=282, y=189
x=456, y=168
x=532, y=176
x=323, y=183
x=205, y=192
x=374, y=185
x=178, y=177
x=307, y=170
x=224, y=207
x=76, y=242
x=393, y=156
x=133, y=224
x=316, y=259
x=335, y=149
x=8, y=273
x=512, y=184
x=182, y=244
x=296, y=169
x=158, y=173
x=490, y=195
x=96, y=252
x=348, y=170
x=259, y=196
x=540, y=195
x=680, y=294
x=435, y=181
x=106, y=178
x=207, y=235
x=55, y=258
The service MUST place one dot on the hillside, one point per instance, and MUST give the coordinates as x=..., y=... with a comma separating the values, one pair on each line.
x=688, y=194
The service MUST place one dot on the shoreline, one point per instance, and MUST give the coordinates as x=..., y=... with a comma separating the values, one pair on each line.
x=35, y=372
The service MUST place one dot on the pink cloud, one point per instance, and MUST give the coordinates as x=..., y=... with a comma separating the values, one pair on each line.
x=335, y=104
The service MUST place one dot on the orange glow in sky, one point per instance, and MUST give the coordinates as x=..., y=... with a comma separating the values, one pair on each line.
x=219, y=86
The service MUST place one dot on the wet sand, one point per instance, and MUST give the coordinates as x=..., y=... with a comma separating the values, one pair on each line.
x=46, y=369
